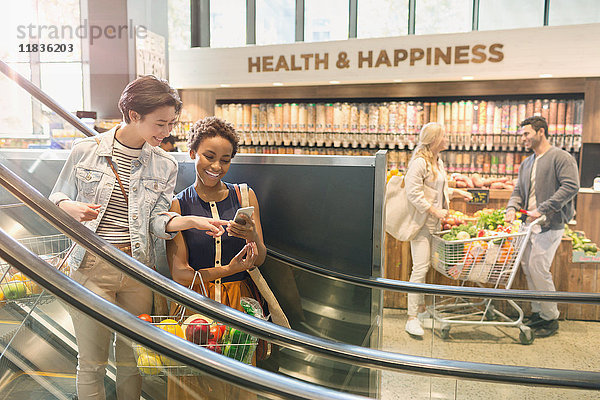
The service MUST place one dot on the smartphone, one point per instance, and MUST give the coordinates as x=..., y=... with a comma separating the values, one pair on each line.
x=245, y=210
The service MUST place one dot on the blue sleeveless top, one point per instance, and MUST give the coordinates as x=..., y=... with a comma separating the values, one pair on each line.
x=202, y=247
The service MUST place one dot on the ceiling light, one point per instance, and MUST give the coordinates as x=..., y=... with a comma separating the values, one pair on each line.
x=225, y=85
x=397, y=80
x=468, y=78
x=545, y=75
x=277, y=84
x=334, y=82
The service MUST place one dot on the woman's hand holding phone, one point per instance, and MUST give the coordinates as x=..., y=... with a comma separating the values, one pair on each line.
x=243, y=227
x=244, y=260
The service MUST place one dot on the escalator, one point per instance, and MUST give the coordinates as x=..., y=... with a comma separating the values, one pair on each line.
x=38, y=349
x=173, y=348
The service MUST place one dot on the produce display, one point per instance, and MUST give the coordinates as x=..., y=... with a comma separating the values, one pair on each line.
x=476, y=181
x=204, y=332
x=581, y=243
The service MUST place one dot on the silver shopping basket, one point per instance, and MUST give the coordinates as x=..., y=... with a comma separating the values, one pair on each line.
x=17, y=287
x=213, y=336
x=483, y=260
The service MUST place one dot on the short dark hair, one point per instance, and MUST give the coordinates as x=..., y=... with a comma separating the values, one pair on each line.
x=147, y=94
x=536, y=123
x=169, y=139
x=211, y=127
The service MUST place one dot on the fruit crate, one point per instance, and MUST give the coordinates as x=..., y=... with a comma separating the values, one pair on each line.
x=17, y=287
x=200, y=330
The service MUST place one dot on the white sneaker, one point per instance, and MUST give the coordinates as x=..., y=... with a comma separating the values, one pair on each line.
x=413, y=327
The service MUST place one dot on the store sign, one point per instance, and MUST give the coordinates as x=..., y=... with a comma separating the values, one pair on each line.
x=563, y=51
x=476, y=54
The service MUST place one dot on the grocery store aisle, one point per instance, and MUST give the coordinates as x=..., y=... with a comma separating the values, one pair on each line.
x=573, y=347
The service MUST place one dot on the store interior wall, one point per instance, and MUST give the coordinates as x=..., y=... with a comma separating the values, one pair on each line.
x=112, y=60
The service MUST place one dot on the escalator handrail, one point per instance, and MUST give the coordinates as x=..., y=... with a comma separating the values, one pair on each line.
x=115, y=318
x=43, y=98
x=342, y=352
x=427, y=288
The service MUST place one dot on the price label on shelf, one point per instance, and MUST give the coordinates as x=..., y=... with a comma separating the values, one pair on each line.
x=480, y=196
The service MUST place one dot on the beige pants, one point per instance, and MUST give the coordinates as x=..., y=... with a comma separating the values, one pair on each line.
x=536, y=262
x=94, y=339
x=420, y=248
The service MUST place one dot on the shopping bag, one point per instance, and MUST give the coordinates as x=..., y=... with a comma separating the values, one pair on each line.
x=402, y=220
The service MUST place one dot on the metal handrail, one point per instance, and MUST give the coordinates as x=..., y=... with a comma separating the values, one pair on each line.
x=351, y=354
x=43, y=98
x=444, y=290
x=115, y=318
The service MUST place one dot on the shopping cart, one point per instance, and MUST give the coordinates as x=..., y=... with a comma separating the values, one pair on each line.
x=198, y=329
x=16, y=287
x=484, y=260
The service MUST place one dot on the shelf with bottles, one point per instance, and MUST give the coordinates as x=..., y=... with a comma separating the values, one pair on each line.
x=489, y=124
x=489, y=164
x=323, y=151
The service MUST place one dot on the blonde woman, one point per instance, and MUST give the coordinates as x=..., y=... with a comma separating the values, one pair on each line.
x=427, y=190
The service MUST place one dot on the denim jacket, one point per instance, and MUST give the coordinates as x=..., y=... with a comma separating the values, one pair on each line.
x=87, y=177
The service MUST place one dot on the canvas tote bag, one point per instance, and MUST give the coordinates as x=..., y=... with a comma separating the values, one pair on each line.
x=402, y=220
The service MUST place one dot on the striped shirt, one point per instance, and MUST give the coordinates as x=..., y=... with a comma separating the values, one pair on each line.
x=114, y=226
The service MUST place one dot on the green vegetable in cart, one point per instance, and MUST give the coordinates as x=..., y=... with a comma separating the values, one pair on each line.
x=237, y=344
x=491, y=219
x=472, y=230
x=449, y=237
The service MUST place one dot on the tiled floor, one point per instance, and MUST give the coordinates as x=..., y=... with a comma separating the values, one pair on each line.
x=575, y=346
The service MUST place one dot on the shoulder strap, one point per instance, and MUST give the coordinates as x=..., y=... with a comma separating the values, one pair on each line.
x=116, y=175
x=245, y=199
x=241, y=191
